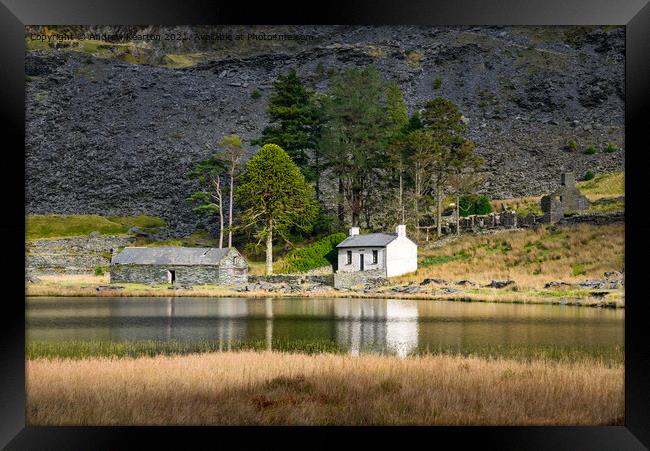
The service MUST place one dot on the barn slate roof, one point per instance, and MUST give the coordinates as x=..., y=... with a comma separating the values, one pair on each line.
x=368, y=240
x=168, y=255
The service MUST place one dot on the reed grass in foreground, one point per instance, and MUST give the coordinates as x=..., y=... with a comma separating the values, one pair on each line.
x=270, y=388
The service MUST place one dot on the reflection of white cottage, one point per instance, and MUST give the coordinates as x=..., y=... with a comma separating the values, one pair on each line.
x=375, y=255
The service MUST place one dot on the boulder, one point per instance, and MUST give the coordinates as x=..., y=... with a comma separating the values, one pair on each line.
x=137, y=231
x=434, y=281
x=500, y=283
x=466, y=283
x=31, y=278
x=593, y=284
x=556, y=284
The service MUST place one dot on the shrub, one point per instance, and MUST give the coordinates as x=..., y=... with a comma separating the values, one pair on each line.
x=437, y=83
x=611, y=147
x=590, y=150
x=589, y=175
x=321, y=253
x=99, y=271
x=474, y=205
x=256, y=94
x=572, y=145
x=578, y=270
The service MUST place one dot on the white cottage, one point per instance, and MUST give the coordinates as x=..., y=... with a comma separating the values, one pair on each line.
x=376, y=255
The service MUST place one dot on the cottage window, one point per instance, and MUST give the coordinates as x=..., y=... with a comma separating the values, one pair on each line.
x=374, y=257
x=349, y=257
x=234, y=260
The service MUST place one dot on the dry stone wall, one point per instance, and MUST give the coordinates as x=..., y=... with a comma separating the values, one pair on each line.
x=77, y=255
x=511, y=220
x=351, y=279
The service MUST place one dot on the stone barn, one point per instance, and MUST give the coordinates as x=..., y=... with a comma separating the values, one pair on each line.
x=179, y=265
x=565, y=199
x=374, y=255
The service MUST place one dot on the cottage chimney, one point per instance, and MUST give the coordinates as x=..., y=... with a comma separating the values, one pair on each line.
x=401, y=230
x=568, y=179
x=354, y=231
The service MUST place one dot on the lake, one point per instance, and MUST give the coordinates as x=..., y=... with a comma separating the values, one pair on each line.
x=395, y=326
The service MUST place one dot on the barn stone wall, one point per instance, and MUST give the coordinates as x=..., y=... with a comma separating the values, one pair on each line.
x=185, y=275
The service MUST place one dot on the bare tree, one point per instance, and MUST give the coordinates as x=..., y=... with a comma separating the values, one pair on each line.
x=234, y=152
x=218, y=196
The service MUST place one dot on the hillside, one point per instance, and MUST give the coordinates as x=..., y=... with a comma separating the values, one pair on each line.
x=114, y=128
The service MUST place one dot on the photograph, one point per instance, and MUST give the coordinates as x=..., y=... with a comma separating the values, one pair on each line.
x=308, y=225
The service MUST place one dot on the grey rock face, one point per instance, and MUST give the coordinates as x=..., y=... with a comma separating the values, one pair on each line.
x=114, y=138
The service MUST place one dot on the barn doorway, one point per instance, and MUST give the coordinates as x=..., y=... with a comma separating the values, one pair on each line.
x=171, y=276
x=361, y=262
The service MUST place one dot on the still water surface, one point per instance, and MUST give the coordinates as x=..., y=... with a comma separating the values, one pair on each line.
x=398, y=326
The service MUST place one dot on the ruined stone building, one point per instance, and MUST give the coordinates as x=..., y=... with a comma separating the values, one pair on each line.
x=179, y=265
x=566, y=198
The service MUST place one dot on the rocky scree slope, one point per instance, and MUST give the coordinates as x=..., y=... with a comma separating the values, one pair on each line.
x=108, y=137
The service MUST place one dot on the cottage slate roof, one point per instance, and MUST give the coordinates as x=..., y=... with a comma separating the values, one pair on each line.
x=164, y=255
x=368, y=240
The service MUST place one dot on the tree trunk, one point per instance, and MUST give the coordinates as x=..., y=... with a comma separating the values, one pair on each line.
x=219, y=197
x=341, y=209
x=457, y=214
x=439, y=218
x=416, y=197
x=232, y=186
x=317, y=156
x=220, y=225
x=269, y=250
x=355, y=209
x=401, y=193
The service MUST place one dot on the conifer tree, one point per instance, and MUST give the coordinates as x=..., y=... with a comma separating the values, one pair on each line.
x=292, y=121
x=275, y=197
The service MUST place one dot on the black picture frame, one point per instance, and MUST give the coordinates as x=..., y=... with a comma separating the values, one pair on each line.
x=634, y=14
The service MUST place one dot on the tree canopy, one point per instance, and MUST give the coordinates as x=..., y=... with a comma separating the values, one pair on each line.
x=293, y=121
x=275, y=197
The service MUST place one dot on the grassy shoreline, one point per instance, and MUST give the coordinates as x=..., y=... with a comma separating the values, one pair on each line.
x=85, y=349
x=614, y=299
x=275, y=388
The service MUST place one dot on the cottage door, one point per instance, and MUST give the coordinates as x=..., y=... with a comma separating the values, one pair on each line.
x=361, y=262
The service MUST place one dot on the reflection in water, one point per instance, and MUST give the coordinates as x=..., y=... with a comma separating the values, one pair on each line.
x=399, y=326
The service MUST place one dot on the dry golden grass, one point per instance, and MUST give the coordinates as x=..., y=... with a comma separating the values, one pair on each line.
x=534, y=258
x=281, y=389
x=74, y=279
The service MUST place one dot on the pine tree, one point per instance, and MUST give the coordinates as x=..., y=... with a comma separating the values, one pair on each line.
x=354, y=135
x=292, y=121
x=443, y=121
x=275, y=197
x=397, y=116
